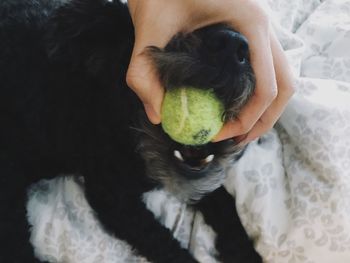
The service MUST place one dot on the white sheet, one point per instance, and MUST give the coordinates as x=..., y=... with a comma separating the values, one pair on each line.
x=292, y=186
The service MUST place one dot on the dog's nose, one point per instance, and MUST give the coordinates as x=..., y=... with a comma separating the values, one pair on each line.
x=227, y=46
x=192, y=158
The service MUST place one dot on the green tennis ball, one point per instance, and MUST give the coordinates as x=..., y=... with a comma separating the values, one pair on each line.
x=191, y=116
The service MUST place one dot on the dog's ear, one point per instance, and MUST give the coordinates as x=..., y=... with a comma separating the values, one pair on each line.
x=90, y=35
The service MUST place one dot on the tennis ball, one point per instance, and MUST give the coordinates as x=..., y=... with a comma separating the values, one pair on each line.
x=191, y=116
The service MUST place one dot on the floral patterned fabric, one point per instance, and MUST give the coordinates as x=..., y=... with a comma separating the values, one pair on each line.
x=292, y=186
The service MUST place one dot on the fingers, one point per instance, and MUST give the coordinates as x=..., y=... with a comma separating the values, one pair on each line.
x=142, y=76
x=144, y=81
x=285, y=83
x=157, y=21
x=253, y=124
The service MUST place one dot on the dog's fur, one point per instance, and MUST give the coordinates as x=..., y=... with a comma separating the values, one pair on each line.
x=65, y=108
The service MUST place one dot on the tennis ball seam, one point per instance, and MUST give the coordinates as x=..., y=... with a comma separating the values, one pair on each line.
x=185, y=110
x=191, y=116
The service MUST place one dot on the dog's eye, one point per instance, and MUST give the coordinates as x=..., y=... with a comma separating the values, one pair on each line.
x=178, y=155
x=209, y=158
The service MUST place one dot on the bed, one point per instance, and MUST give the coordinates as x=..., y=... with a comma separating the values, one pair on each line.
x=292, y=186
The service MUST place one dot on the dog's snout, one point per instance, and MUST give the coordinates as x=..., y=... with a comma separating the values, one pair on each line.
x=228, y=45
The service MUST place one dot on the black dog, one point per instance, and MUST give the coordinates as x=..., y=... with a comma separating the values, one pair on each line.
x=65, y=108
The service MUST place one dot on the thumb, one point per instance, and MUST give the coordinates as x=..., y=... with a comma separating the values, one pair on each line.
x=143, y=79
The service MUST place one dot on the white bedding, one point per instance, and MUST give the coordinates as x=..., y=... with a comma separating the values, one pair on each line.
x=292, y=186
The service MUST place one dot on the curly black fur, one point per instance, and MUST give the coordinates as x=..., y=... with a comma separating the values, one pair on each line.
x=65, y=108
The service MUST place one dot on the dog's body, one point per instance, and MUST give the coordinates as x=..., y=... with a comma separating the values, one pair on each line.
x=65, y=109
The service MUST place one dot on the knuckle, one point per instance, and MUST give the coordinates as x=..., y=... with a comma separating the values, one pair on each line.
x=130, y=80
x=289, y=91
x=267, y=123
x=268, y=95
x=292, y=89
x=269, y=126
x=273, y=93
x=245, y=127
x=263, y=19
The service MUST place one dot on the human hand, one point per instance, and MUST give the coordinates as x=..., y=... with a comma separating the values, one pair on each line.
x=156, y=21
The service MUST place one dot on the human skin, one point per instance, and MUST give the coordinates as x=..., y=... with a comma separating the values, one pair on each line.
x=156, y=21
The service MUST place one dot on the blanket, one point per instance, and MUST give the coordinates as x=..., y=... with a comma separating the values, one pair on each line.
x=292, y=186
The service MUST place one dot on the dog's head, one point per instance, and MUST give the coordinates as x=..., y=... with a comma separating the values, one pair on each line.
x=213, y=57
x=93, y=39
